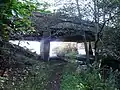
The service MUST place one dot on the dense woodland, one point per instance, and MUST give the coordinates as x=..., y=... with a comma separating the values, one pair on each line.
x=21, y=69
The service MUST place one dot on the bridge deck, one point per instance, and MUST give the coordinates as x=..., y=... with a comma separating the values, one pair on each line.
x=59, y=27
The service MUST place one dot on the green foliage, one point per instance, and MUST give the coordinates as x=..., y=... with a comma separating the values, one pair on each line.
x=67, y=49
x=14, y=16
x=31, y=78
x=86, y=80
x=70, y=57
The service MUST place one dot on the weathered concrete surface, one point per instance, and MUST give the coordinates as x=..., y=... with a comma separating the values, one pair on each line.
x=60, y=26
x=45, y=47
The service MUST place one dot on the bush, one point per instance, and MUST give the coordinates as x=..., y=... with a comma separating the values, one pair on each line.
x=28, y=78
x=88, y=79
x=68, y=51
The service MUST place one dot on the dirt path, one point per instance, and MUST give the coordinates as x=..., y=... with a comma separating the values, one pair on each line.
x=54, y=80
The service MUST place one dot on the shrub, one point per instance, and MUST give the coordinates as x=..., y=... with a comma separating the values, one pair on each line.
x=28, y=78
x=88, y=79
x=68, y=51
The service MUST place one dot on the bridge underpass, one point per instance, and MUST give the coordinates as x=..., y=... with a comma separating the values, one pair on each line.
x=51, y=27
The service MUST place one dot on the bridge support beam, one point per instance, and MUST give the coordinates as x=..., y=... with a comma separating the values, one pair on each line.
x=45, y=47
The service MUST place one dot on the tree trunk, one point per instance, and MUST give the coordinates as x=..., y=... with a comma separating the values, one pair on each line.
x=86, y=49
x=96, y=19
x=84, y=36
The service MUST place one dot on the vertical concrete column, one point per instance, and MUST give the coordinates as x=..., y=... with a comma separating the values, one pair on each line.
x=90, y=49
x=45, y=46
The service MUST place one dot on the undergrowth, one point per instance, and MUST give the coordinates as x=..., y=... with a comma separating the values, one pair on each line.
x=28, y=75
x=88, y=79
x=22, y=69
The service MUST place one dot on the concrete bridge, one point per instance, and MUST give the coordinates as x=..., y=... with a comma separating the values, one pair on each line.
x=52, y=27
